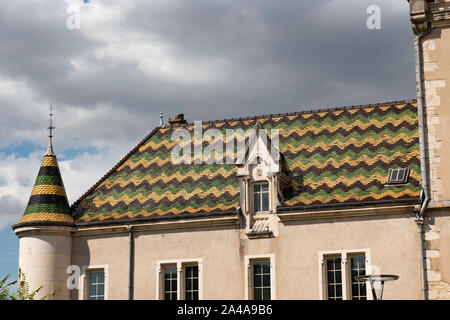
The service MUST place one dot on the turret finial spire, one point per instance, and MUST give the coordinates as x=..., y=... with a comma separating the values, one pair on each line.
x=161, y=119
x=50, y=128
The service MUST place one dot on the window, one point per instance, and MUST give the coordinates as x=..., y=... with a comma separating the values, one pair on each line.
x=261, y=280
x=338, y=272
x=358, y=268
x=170, y=283
x=334, y=278
x=399, y=175
x=260, y=277
x=93, y=282
x=179, y=279
x=191, y=282
x=261, y=197
x=96, y=285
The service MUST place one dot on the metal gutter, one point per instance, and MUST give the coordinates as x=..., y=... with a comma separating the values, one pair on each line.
x=131, y=264
x=423, y=156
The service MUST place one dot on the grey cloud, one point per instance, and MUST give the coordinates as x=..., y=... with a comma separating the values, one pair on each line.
x=278, y=56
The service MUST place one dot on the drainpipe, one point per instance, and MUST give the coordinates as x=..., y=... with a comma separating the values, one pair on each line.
x=131, y=263
x=423, y=157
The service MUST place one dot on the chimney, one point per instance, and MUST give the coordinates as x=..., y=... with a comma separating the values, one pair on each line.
x=179, y=120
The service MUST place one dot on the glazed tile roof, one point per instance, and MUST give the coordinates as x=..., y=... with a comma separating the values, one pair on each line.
x=48, y=201
x=335, y=157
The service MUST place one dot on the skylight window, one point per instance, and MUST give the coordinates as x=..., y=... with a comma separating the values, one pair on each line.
x=399, y=175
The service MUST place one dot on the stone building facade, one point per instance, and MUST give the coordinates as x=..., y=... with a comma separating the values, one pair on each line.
x=317, y=198
x=432, y=19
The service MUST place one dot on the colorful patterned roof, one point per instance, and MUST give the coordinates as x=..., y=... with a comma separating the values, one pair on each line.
x=335, y=157
x=48, y=202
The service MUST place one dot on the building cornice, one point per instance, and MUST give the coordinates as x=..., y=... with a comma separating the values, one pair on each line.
x=165, y=225
x=422, y=12
x=439, y=13
x=347, y=213
x=26, y=231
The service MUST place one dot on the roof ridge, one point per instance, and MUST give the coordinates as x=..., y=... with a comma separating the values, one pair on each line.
x=117, y=165
x=310, y=111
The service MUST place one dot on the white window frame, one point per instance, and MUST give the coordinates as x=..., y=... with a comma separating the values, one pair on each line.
x=345, y=256
x=180, y=264
x=249, y=259
x=83, y=291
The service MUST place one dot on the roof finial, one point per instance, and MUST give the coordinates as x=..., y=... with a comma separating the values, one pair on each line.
x=161, y=119
x=50, y=128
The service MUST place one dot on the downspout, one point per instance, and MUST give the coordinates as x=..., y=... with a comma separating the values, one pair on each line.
x=131, y=263
x=423, y=157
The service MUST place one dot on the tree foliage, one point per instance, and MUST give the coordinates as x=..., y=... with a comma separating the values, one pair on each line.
x=23, y=290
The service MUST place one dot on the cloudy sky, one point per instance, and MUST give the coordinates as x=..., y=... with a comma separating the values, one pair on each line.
x=210, y=59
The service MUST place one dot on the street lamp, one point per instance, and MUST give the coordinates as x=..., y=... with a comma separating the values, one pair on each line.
x=376, y=278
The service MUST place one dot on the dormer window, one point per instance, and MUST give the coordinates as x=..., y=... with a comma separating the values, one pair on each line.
x=261, y=197
x=398, y=176
x=261, y=174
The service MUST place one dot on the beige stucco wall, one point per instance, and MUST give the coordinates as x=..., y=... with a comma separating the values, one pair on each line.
x=392, y=241
x=108, y=249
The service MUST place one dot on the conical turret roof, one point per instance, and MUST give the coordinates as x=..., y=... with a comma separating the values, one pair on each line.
x=48, y=201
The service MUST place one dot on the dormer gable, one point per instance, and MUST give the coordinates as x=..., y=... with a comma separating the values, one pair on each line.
x=260, y=172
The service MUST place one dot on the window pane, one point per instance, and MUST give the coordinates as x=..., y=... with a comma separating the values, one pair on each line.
x=195, y=284
x=265, y=202
x=92, y=277
x=265, y=187
x=257, y=282
x=339, y=292
x=167, y=283
x=338, y=277
x=188, y=285
x=257, y=295
x=401, y=175
x=100, y=277
x=266, y=280
x=92, y=291
x=257, y=202
x=331, y=292
x=394, y=175
x=265, y=267
x=330, y=277
x=100, y=290
x=266, y=294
